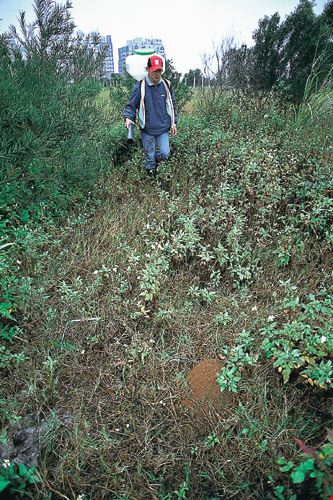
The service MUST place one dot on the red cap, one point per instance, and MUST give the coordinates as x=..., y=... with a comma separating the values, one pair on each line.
x=155, y=62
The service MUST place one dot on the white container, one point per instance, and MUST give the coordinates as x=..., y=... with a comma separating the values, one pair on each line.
x=136, y=63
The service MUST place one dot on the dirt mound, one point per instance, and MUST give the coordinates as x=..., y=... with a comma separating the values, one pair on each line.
x=203, y=387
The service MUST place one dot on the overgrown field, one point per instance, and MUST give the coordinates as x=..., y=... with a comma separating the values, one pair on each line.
x=227, y=255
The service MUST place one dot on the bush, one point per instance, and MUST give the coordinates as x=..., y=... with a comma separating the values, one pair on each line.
x=55, y=145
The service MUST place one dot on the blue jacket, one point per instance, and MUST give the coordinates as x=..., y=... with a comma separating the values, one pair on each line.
x=157, y=119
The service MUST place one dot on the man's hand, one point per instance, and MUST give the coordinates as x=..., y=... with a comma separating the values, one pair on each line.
x=128, y=121
x=173, y=130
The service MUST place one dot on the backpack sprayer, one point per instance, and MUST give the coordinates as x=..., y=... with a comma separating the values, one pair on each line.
x=136, y=67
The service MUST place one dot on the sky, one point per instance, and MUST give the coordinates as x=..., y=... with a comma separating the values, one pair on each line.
x=189, y=29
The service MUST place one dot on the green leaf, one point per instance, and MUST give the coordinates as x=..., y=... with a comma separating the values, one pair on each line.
x=3, y=484
x=286, y=374
x=263, y=445
x=298, y=476
x=307, y=465
x=318, y=474
x=32, y=476
x=24, y=216
x=22, y=469
x=287, y=466
x=5, y=310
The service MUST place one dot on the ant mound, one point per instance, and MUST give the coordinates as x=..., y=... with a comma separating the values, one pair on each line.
x=203, y=387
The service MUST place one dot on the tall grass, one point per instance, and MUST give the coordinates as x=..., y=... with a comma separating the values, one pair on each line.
x=317, y=103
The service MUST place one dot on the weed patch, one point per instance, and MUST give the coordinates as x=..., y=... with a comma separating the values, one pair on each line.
x=117, y=307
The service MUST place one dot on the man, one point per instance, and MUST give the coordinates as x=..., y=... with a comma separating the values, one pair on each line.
x=154, y=99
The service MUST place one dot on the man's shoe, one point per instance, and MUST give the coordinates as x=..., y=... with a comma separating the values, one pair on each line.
x=152, y=172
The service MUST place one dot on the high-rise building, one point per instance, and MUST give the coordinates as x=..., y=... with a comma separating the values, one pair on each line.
x=106, y=41
x=138, y=43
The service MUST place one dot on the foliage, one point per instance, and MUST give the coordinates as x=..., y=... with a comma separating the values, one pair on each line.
x=51, y=37
x=195, y=78
x=184, y=488
x=182, y=92
x=236, y=359
x=55, y=146
x=266, y=52
x=44, y=117
x=304, y=343
x=306, y=37
x=283, y=55
x=132, y=290
x=301, y=345
x=328, y=13
x=316, y=104
x=316, y=466
x=107, y=308
x=16, y=478
x=119, y=96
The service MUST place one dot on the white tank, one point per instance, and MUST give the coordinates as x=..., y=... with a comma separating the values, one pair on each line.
x=136, y=63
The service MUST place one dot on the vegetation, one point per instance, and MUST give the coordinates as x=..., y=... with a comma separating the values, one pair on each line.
x=113, y=286
x=284, y=55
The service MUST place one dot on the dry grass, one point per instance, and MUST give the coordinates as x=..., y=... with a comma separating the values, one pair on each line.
x=121, y=377
x=122, y=380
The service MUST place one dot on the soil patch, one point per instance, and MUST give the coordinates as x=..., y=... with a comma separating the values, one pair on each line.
x=203, y=387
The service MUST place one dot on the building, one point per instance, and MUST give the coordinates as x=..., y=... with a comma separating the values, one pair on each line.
x=103, y=42
x=108, y=70
x=138, y=43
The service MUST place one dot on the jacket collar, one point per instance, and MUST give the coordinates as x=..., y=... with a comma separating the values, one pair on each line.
x=151, y=83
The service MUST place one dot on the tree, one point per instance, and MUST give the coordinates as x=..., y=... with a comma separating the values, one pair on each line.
x=266, y=53
x=328, y=13
x=182, y=91
x=286, y=54
x=194, y=77
x=239, y=67
x=51, y=37
x=228, y=66
x=49, y=123
x=306, y=41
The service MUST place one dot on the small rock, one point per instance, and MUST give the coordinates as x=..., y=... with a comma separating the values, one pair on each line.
x=27, y=438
